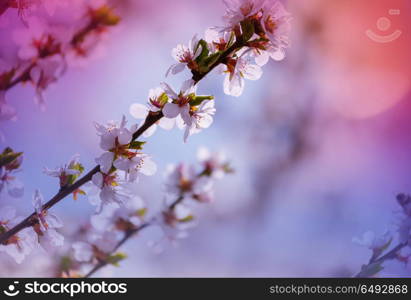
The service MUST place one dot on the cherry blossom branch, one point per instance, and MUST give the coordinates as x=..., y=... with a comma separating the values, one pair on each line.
x=151, y=119
x=261, y=31
x=64, y=192
x=129, y=234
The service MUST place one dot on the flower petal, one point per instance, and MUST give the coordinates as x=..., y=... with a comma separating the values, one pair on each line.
x=171, y=110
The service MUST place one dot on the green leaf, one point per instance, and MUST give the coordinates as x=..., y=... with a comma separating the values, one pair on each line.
x=65, y=263
x=8, y=157
x=204, y=51
x=141, y=212
x=78, y=167
x=247, y=29
x=211, y=59
x=197, y=100
x=137, y=145
x=116, y=258
x=163, y=99
x=186, y=219
x=106, y=16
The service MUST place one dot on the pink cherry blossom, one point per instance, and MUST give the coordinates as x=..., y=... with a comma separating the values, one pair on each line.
x=238, y=69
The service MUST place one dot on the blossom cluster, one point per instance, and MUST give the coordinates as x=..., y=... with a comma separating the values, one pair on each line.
x=121, y=164
x=45, y=49
x=183, y=184
x=44, y=230
x=380, y=244
x=254, y=32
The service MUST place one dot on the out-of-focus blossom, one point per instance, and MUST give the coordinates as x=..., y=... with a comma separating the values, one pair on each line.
x=276, y=22
x=52, y=5
x=97, y=246
x=7, y=73
x=36, y=40
x=180, y=214
x=123, y=218
x=373, y=242
x=215, y=164
x=11, y=162
x=182, y=180
x=47, y=225
x=7, y=112
x=405, y=202
x=185, y=56
x=404, y=230
x=43, y=74
x=19, y=245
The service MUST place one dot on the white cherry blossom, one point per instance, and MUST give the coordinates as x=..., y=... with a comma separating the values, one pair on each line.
x=185, y=56
x=65, y=171
x=238, y=10
x=237, y=70
x=157, y=99
x=180, y=101
x=138, y=164
x=201, y=117
x=114, y=139
x=7, y=112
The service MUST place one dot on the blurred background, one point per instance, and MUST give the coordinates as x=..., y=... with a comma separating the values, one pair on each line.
x=320, y=143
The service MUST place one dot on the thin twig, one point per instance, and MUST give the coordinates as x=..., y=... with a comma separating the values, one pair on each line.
x=127, y=236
